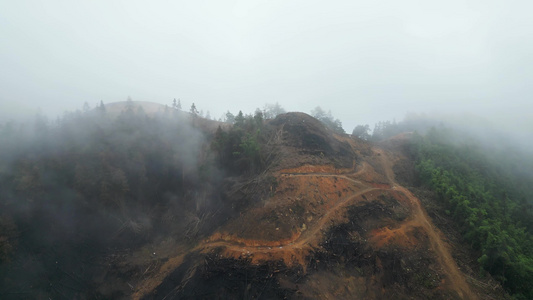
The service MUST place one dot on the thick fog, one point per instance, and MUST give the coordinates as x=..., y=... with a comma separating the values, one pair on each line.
x=365, y=60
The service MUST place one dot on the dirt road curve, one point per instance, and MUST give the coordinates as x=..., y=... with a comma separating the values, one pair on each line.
x=456, y=278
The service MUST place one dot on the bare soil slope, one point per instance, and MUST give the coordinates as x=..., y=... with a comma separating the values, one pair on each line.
x=337, y=225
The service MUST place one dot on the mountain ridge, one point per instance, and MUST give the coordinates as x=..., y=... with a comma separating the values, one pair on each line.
x=193, y=208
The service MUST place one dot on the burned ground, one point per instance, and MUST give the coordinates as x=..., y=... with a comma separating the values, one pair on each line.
x=328, y=232
x=390, y=271
x=307, y=141
x=226, y=278
x=344, y=252
x=328, y=219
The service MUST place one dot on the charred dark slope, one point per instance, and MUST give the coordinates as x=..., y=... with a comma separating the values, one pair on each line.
x=390, y=272
x=373, y=246
x=344, y=255
x=225, y=278
x=310, y=141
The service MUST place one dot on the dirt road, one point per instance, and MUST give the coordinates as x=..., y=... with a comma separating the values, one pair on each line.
x=295, y=249
x=456, y=279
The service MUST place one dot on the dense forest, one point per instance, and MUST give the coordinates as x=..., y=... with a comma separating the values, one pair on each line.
x=490, y=199
x=89, y=185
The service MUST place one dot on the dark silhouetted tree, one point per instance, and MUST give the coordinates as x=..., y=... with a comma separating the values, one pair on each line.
x=129, y=105
x=327, y=119
x=258, y=117
x=193, y=110
x=270, y=111
x=239, y=119
x=101, y=108
x=230, y=118
x=362, y=132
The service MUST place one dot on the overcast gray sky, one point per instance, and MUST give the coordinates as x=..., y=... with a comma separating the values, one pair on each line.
x=365, y=60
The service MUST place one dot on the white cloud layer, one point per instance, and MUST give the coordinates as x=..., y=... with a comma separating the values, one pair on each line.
x=365, y=60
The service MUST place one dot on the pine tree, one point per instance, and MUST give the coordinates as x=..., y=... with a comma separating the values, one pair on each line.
x=230, y=118
x=129, y=105
x=101, y=107
x=193, y=110
x=239, y=119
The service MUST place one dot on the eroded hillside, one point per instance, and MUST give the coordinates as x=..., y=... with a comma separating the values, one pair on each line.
x=162, y=204
x=336, y=224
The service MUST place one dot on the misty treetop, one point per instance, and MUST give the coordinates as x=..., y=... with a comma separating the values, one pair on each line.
x=328, y=119
x=270, y=111
x=243, y=148
x=362, y=132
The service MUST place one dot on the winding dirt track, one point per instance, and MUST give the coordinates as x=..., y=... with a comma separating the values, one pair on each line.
x=299, y=244
x=296, y=242
x=456, y=278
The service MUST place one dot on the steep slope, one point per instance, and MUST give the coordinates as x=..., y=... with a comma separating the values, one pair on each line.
x=345, y=220
x=171, y=206
x=420, y=218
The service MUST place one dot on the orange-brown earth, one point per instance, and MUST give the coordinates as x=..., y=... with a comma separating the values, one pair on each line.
x=293, y=224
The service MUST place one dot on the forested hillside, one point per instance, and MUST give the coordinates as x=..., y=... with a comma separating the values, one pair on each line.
x=79, y=190
x=487, y=191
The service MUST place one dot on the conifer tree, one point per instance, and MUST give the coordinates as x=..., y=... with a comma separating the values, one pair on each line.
x=193, y=110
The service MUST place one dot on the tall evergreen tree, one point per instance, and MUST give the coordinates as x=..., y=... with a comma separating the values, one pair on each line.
x=101, y=108
x=230, y=118
x=239, y=119
x=193, y=110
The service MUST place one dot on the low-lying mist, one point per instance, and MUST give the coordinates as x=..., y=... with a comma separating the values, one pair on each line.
x=91, y=183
